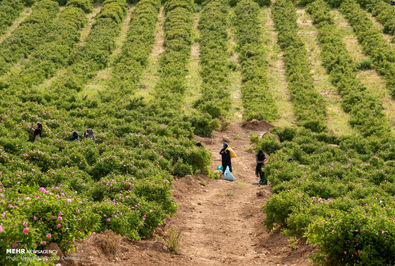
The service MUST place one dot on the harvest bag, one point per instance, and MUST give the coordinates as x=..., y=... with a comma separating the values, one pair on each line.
x=228, y=175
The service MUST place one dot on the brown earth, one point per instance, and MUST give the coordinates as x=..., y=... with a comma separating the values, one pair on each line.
x=220, y=221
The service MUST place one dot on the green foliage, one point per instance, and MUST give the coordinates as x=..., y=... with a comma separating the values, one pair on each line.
x=365, y=64
x=86, y=60
x=215, y=100
x=173, y=63
x=309, y=105
x=85, y=5
x=366, y=113
x=9, y=11
x=199, y=159
x=140, y=39
x=382, y=12
x=55, y=49
x=258, y=103
x=335, y=193
x=122, y=180
x=204, y=124
x=27, y=37
x=261, y=3
x=372, y=41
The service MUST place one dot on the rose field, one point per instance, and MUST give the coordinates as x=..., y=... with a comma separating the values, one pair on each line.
x=151, y=77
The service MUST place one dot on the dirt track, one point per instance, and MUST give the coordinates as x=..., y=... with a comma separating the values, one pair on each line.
x=220, y=221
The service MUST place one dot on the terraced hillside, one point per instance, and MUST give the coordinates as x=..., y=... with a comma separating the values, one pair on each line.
x=150, y=76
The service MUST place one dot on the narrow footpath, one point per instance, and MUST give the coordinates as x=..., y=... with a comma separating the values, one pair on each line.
x=220, y=221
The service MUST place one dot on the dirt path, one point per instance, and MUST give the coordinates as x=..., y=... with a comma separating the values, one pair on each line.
x=222, y=224
x=220, y=221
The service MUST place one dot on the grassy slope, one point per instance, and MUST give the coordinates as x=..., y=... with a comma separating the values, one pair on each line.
x=150, y=75
x=104, y=75
x=193, y=79
x=375, y=84
x=337, y=118
x=277, y=76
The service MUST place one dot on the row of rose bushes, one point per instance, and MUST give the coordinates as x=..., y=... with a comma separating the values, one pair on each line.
x=309, y=105
x=27, y=37
x=366, y=112
x=86, y=60
x=170, y=89
x=9, y=12
x=133, y=59
x=258, y=102
x=173, y=62
x=372, y=41
x=336, y=192
x=213, y=25
x=55, y=47
x=383, y=13
x=60, y=191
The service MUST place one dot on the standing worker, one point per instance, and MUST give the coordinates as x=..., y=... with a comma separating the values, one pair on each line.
x=226, y=161
x=260, y=162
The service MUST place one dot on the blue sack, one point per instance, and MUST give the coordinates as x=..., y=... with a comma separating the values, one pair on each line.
x=220, y=168
x=228, y=175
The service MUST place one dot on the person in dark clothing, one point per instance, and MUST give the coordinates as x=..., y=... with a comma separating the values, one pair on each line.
x=260, y=162
x=225, y=153
x=393, y=2
x=74, y=137
x=89, y=134
x=37, y=131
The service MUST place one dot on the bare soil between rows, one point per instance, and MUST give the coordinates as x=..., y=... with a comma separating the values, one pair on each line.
x=220, y=221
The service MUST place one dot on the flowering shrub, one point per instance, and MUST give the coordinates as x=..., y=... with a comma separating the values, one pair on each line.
x=337, y=192
x=54, y=190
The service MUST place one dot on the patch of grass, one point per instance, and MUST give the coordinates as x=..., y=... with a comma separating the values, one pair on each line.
x=193, y=78
x=234, y=75
x=276, y=74
x=172, y=240
x=91, y=19
x=108, y=242
x=104, y=75
x=348, y=36
x=375, y=86
x=337, y=118
x=230, y=194
x=365, y=64
x=150, y=76
x=202, y=183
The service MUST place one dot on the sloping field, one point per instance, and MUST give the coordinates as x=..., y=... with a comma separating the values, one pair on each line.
x=162, y=84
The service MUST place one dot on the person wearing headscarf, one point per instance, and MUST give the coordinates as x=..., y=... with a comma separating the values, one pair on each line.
x=37, y=131
x=226, y=161
x=74, y=136
x=260, y=162
x=89, y=134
